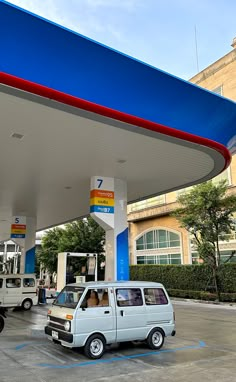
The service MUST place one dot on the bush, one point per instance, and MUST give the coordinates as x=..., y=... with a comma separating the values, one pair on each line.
x=228, y=297
x=186, y=277
x=193, y=294
x=200, y=295
x=227, y=276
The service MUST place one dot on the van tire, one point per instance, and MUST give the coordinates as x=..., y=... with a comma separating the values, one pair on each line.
x=1, y=324
x=95, y=346
x=155, y=339
x=26, y=304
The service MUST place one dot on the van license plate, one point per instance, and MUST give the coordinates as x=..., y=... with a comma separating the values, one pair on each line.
x=55, y=335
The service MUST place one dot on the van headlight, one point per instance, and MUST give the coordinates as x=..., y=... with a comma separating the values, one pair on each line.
x=48, y=319
x=67, y=326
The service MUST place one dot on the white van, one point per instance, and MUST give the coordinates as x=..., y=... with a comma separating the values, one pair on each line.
x=94, y=314
x=18, y=290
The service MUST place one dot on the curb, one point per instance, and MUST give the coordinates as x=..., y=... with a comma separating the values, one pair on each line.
x=204, y=302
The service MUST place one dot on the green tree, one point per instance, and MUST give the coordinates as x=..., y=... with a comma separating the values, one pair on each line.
x=84, y=236
x=51, y=243
x=207, y=214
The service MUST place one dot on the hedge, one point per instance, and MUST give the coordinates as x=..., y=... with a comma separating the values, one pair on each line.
x=200, y=295
x=186, y=277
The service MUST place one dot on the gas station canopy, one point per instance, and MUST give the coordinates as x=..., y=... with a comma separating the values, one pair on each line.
x=72, y=108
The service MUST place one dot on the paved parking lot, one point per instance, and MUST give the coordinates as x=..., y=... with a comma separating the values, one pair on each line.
x=203, y=349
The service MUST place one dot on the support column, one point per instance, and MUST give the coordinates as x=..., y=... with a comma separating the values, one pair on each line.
x=108, y=206
x=61, y=270
x=23, y=233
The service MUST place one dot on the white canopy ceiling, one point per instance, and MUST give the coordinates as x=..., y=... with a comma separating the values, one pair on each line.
x=46, y=172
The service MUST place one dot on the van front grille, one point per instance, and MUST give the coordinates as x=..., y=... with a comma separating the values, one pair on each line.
x=57, y=319
x=57, y=323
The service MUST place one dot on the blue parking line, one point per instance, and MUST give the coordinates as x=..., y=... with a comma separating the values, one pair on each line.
x=21, y=346
x=200, y=345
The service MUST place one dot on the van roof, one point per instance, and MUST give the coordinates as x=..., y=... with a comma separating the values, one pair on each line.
x=117, y=283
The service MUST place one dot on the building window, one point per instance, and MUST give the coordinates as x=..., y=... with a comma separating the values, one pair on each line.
x=224, y=255
x=230, y=236
x=147, y=203
x=158, y=239
x=158, y=246
x=165, y=259
x=196, y=259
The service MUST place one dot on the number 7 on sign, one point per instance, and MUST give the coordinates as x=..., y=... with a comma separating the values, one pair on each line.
x=100, y=181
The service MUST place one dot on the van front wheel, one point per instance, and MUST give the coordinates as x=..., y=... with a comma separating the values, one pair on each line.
x=26, y=304
x=95, y=346
x=155, y=339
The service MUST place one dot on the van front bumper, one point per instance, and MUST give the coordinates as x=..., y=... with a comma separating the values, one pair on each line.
x=62, y=336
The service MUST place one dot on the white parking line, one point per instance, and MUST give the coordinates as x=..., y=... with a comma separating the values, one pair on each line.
x=63, y=353
x=49, y=354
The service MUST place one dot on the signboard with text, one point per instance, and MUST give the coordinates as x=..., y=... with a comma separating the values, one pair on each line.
x=102, y=201
x=18, y=227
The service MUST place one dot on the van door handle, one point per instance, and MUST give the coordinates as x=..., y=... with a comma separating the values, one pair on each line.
x=122, y=313
x=107, y=312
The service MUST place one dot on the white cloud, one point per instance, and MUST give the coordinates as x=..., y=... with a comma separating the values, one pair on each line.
x=124, y=4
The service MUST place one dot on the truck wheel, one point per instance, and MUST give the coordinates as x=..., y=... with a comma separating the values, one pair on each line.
x=156, y=339
x=1, y=324
x=95, y=346
x=26, y=304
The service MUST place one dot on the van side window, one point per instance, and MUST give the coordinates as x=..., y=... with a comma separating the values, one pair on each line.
x=129, y=297
x=1, y=282
x=28, y=282
x=155, y=296
x=91, y=299
x=103, y=297
x=95, y=298
x=13, y=283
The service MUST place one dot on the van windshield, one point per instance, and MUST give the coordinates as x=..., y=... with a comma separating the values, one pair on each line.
x=69, y=296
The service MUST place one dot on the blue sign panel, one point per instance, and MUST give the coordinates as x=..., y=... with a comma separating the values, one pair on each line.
x=17, y=235
x=122, y=256
x=103, y=210
x=30, y=261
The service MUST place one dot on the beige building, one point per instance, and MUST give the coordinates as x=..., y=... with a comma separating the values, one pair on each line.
x=155, y=237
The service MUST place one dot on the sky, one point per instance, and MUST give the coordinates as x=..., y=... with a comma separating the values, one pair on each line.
x=181, y=37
